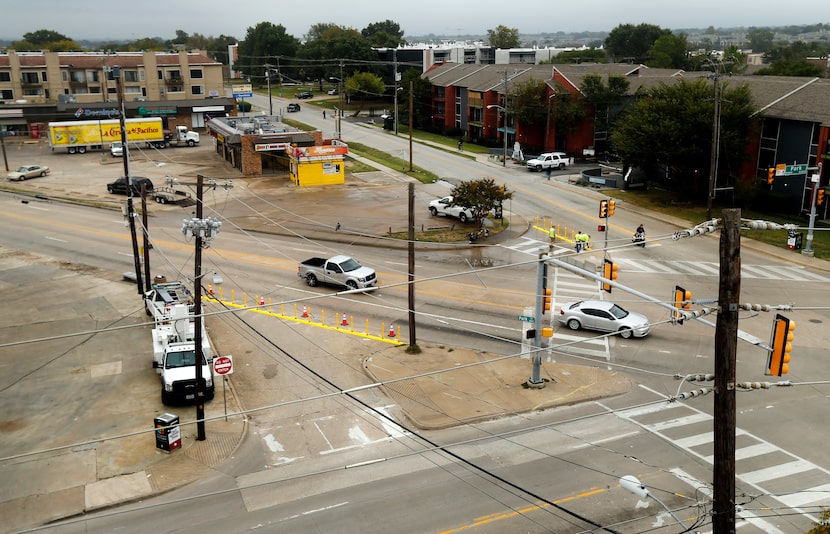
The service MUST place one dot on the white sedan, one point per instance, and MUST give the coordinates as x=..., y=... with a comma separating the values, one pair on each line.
x=603, y=316
x=28, y=171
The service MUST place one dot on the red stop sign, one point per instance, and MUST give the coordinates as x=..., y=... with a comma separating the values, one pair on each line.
x=222, y=365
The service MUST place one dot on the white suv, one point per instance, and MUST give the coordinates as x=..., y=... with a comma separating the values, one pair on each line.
x=549, y=160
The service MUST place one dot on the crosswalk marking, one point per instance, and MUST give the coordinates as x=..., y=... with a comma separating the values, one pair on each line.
x=707, y=268
x=659, y=417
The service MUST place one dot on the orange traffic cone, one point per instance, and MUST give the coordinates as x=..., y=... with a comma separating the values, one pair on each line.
x=261, y=300
x=210, y=290
x=305, y=311
x=391, y=330
x=344, y=321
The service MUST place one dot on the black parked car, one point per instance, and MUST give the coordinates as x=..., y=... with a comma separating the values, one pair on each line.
x=119, y=186
x=304, y=94
x=293, y=107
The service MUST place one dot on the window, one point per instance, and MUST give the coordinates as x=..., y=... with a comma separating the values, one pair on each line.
x=43, y=76
x=6, y=94
x=175, y=88
x=30, y=77
x=131, y=76
x=132, y=90
x=197, y=90
x=79, y=91
x=76, y=76
x=92, y=76
x=32, y=91
x=5, y=77
x=196, y=74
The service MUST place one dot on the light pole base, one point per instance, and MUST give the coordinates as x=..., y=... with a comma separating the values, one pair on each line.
x=535, y=385
x=810, y=253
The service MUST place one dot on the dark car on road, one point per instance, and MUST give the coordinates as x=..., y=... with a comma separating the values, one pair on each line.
x=302, y=95
x=119, y=186
x=292, y=107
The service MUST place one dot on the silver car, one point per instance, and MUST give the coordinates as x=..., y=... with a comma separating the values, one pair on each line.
x=28, y=171
x=603, y=316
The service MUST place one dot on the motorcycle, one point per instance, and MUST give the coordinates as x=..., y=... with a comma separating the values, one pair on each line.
x=474, y=236
x=639, y=239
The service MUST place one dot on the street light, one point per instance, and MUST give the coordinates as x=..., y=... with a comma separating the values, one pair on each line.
x=504, y=131
x=396, y=108
x=631, y=484
x=547, y=126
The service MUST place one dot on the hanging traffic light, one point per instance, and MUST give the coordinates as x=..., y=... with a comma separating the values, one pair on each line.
x=820, y=197
x=609, y=272
x=603, y=209
x=781, y=343
x=682, y=301
x=611, y=204
x=770, y=175
x=546, y=300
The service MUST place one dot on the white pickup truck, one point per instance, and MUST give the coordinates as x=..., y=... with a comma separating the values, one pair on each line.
x=549, y=160
x=444, y=206
x=338, y=270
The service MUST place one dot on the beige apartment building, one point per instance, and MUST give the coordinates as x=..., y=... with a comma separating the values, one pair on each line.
x=82, y=77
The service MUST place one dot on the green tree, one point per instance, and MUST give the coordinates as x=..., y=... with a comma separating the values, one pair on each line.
x=362, y=86
x=481, y=196
x=386, y=34
x=263, y=42
x=590, y=55
x=669, y=51
x=607, y=100
x=528, y=102
x=672, y=127
x=760, y=39
x=629, y=43
x=147, y=43
x=181, y=37
x=328, y=46
x=44, y=37
x=503, y=37
x=421, y=99
x=792, y=68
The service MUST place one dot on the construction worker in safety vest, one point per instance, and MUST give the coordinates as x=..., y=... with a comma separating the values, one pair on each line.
x=580, y=241
x=552, y=233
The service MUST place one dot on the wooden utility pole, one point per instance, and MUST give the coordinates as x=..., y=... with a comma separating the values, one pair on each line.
x=411, y=285
x=726, y=345
x=197, y=319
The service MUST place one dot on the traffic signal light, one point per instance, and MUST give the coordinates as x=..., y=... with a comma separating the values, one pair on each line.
x=820, y=197
x=546, y=293
x=770, y=175
x=781, y=343
x=611, y=204
x=603, y=209
x=609, y=272
x=682, y=301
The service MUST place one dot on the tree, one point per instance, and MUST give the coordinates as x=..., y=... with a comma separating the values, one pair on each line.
x=503, y=37
x=386, y=34
x=263, y=42
x=362, y=86
x=147, y=43
x=608, y=101
x=43, y=37
x=181, y=37
x=421, y=99
x=589, y=55
x=671, y=126
x=792, y=68
x=669, y=51
x=528, y=102
x=631, y=43
x=328, y=44
x=481, y=196
x=760, y=39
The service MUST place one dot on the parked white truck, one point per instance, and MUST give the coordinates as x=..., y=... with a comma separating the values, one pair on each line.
x=180, y=136
x=338, y=270
x=445, y=206
x=174, y=357
x=163, y=295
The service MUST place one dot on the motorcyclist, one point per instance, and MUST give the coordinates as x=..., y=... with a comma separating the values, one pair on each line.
x=640, y=235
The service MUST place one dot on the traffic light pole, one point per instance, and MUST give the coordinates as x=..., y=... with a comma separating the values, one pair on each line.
x=535, y=379
x=816, y=179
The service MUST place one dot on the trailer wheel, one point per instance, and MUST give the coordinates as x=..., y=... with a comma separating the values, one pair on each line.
x=71, y=150
x=311, y=280
x=161, y=200
x=81, y=150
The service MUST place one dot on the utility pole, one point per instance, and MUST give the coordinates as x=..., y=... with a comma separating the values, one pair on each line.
x=535, y=379
x=816, y=181
x=726, y=344
x=715, y=154
x=204, y=230
x=116, y=73
x=411, y=251
x=268, y=82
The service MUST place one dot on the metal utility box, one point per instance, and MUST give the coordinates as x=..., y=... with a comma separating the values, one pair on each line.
x=794, y=240
x=168, y=433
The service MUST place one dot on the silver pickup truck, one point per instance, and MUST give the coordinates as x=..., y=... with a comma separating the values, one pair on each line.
x=338, y=270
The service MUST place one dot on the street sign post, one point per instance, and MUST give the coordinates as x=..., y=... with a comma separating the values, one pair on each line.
x=790, y=170
x=527, y=319
x=223, y=365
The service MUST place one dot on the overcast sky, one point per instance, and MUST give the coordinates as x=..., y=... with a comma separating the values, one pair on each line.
x=100, y=19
